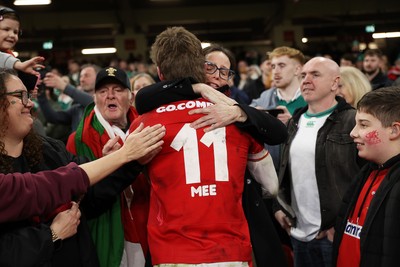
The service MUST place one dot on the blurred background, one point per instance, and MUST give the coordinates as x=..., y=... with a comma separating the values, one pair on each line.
x=60, y=30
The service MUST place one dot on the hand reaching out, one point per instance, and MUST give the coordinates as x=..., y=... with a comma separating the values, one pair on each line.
x=54, y=81
x=143, y=140
x=30, y=66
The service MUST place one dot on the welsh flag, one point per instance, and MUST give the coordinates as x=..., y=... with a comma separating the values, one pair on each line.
x=107, y=230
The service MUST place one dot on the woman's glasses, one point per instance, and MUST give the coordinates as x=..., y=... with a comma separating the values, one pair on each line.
x=224, y=73
x=23, y=95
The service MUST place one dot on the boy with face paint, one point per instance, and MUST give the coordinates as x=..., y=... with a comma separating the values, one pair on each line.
x=367, y=229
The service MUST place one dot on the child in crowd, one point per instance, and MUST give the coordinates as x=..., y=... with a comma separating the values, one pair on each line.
x=9, y=36
x=367, y=230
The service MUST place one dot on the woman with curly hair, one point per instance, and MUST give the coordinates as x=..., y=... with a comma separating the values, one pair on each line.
x=59, y=237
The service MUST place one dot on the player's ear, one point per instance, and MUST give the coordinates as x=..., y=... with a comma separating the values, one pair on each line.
x=160, y=75
x=395, y=130
x=131, y=98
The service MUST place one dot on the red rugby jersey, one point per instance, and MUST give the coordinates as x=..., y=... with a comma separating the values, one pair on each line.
x=196, y=213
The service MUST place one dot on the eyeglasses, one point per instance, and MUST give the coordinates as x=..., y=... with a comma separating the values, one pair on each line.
x=224, y=73
x=23, y=95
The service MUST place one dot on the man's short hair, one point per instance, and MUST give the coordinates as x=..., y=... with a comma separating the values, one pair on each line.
x=373, y=52
x=349, y=57
x=178, y=54
x=288, y=51
x=96, y=68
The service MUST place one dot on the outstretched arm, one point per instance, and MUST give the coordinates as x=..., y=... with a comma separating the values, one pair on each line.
x=28, y=66
x=46, y=190
x=29, y=194
x=138, y=144
x=54, y=81
x=102, y=195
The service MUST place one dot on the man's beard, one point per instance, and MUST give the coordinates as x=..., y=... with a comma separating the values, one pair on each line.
x=370, y=72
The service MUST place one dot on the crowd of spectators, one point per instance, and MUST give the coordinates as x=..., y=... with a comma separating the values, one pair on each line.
x=315, y=118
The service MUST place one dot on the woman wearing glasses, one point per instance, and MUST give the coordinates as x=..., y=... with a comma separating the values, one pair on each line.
x=226, y=74
x=60, y=237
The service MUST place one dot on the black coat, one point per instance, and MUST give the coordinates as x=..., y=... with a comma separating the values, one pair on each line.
x=380, y=81
x=267, y=247
x=379, y=238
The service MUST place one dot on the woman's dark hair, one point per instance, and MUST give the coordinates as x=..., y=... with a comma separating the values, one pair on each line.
x=32, y=148
x=5, y=74
x=219, y=48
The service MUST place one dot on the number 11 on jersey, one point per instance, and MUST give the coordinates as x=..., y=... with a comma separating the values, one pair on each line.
x=187, y=139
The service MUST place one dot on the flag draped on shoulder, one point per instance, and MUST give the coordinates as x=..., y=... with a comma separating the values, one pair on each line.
x=107, y=230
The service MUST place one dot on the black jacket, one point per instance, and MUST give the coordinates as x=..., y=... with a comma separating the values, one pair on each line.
x=26, y=243
x=336, y=162
x=380, y=81
x=254, y=88
x=380, y=235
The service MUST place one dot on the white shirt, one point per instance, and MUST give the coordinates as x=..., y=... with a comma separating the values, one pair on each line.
x=305, y=195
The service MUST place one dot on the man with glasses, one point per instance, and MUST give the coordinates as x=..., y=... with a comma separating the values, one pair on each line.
x=225, y=111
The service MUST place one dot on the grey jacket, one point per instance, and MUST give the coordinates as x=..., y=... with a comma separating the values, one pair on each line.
x=7, y=60
x=267, y=99
x=71, y=116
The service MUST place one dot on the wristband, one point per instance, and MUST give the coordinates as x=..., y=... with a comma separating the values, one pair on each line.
x=54, y=236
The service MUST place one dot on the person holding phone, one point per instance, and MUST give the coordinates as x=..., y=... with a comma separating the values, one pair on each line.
x=286, y=64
